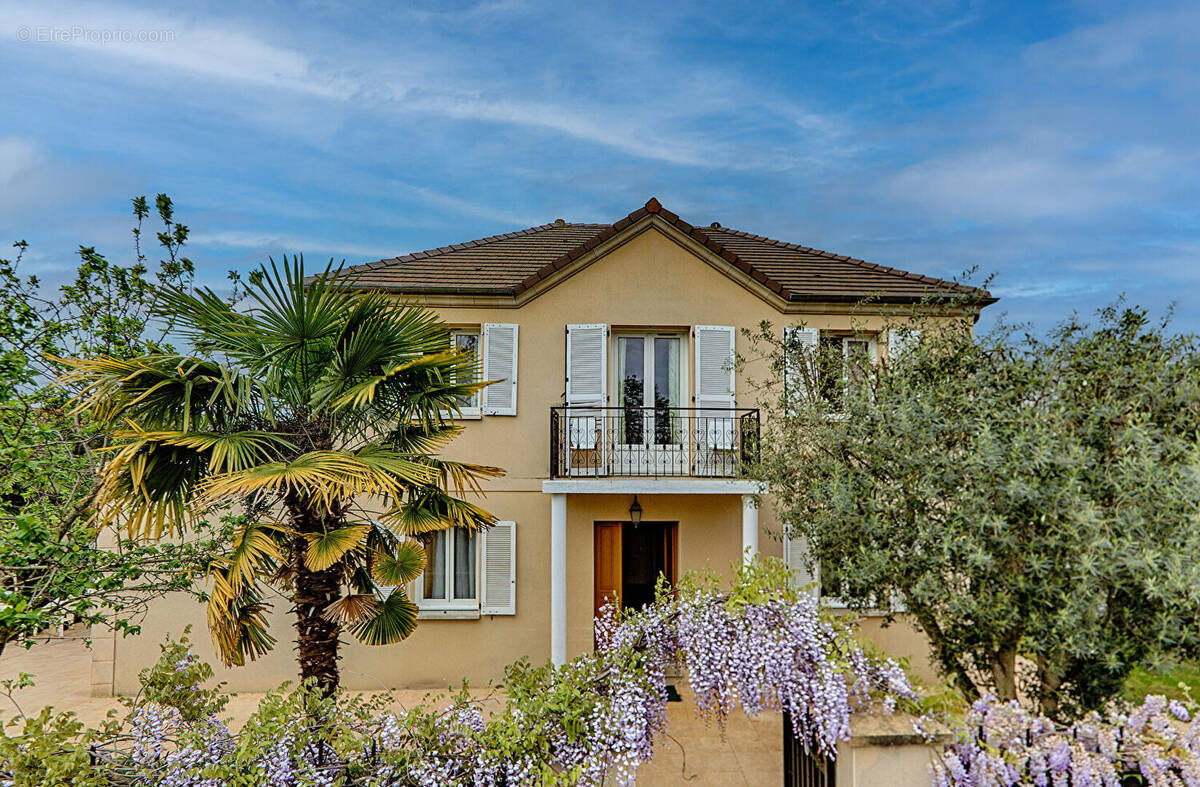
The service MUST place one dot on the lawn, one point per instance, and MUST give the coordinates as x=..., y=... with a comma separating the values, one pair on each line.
x=1177, y=682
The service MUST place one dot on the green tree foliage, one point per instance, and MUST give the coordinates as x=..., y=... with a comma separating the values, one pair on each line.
x=1025, y=497
x=52, y=567
x=298, y=408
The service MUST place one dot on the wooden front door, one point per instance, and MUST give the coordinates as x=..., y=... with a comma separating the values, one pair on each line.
x=629, y=558
x=608, y=564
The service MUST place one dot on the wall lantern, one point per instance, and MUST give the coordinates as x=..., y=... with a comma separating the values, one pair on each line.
x=635, y=512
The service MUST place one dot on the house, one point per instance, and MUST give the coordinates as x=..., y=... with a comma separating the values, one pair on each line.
x=620, y=422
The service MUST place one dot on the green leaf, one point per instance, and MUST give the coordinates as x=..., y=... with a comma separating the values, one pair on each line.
x=393, y=620
x=405, y=564
x=325, y=549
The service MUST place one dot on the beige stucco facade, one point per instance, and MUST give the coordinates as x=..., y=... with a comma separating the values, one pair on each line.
x=651, y=277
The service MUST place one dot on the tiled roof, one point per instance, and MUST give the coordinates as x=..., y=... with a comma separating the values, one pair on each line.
x=511, y=263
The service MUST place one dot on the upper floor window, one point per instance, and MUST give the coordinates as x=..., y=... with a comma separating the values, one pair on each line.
x=842, y=360
x=649, y=378
x=468, y=339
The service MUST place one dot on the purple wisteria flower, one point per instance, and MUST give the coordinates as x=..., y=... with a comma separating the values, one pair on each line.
x=770, y=654
x=1004, y=744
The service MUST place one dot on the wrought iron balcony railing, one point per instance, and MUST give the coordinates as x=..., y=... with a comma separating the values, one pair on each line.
x=591, y=442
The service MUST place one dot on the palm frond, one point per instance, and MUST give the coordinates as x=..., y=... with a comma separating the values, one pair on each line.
x=404, y=564
x=393, y=620
x=209, y=321
x=253, y=553
x=298, y=318
x=460, y=476
x=352, y=608
x=227, y=452
x=150, y=487
x=406, y=470
x=445, y=362
x=432, y=510
x=326, y=476
x=410, y=438
x=325, y=549
x=238, y=625
x=160, y=391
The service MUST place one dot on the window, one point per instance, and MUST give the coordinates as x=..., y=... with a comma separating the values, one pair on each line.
x=451, y=578
x=842, y=361
x=467, y=339
x=648, y=385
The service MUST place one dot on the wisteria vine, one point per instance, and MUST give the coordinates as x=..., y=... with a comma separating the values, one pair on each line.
x=593, y=721
x=1002, y=745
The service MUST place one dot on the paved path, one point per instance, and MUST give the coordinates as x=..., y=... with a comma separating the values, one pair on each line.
x=696, y=753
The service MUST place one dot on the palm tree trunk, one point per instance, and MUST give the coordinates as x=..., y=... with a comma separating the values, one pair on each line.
x=316, y=636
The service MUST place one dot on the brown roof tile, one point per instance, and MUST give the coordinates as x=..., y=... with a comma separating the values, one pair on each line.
x=512, y=262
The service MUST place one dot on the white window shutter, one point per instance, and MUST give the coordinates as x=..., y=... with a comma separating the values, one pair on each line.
x=715, y=381
x=715, y=375
x=500, y=363
x=800, y=346
x=587, y=365
x=796, y=555
x=901, y=340
x=499, y=549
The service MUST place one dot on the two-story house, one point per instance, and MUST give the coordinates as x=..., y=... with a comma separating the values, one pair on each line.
x=620, y=421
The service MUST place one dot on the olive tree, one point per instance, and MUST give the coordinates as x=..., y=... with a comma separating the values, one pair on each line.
x=1033, y=501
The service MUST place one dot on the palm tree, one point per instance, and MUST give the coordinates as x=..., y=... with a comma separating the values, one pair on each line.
x=297, y=410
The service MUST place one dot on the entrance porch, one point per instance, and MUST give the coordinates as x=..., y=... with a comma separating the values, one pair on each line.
x=699, y=523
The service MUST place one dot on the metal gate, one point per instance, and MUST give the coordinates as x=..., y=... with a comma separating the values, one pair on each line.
x=804, y=767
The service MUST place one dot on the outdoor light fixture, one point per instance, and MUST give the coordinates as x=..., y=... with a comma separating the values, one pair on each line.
x=635, y=512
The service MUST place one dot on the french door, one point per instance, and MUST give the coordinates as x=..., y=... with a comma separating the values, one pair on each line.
x=649, y=388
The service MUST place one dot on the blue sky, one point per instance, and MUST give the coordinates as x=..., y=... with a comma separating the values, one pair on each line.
x=1054, y=145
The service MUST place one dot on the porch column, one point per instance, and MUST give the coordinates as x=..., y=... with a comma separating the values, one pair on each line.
x=749, y=527
x=558, y=578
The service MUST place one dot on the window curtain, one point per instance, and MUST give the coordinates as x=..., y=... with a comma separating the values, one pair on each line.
x=666, y=389
x=435, y=568
x=464, y=564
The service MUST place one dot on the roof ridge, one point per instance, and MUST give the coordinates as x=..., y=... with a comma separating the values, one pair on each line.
x=470, y=244
x=652, y=208
x=853, y=260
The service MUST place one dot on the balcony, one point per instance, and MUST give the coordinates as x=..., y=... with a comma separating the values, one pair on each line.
x=652, y=442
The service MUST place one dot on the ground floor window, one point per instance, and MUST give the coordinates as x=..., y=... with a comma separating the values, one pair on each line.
x=451, y=573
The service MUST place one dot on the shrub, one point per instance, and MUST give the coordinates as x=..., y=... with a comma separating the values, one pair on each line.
x=592, y=721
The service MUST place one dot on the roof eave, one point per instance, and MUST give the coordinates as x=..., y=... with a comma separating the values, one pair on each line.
x=814, y=297
x=438, y=290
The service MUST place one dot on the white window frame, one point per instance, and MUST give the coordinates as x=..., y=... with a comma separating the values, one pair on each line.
x=844, y=338
x=449, y=606
x=474, y=411
x=614, y=374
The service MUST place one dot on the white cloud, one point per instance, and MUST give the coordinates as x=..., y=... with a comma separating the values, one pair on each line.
x=149, y=38
x=1118, y=44
x=17, y=156
x=283, y=243
x=671, y=126
x=464, y=207
x=31, y=180
x=1033, y=180
x=1050, y=288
